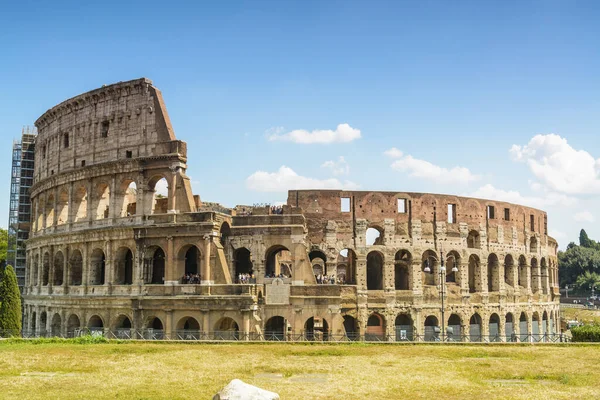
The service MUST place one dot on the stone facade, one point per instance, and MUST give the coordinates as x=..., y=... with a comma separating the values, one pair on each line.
x=107, y=252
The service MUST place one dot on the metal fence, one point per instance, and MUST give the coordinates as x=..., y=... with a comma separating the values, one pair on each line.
x=278, y=336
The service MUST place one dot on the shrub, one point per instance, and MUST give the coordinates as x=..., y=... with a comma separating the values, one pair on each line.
x=10, y=308
x=586, y=333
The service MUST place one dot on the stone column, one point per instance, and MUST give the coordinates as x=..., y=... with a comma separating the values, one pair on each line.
x=482, y=280
x=170, y=267
x=417, y=278
x=502, y=328
x=70, y=218
x=389, y=275
x=169, y=328
x=91, y=197
x=205, y=275
x=206, y=322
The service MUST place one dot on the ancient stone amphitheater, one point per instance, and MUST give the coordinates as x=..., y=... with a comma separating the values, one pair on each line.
x=121, y=246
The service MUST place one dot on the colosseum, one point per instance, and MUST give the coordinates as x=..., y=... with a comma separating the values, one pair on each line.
x=121, y=246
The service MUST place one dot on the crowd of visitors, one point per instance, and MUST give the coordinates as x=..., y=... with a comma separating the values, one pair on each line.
x=246, y=278
x=330, y=279
x=273, y=275
x=191, y=278
x=276, y=210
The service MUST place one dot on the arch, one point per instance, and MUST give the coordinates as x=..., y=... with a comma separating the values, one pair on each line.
x=494, y=328
x=46, y=269
x=242, y=261
x=454, y=330
x=275, y=256
x=509, y=327
x=123, y=327
x=98, y=267
x=188, y=328
x=431, y=264
x=154, y=266
x=523, y=328
x=59, y=262
x=347, y=259
x=62, y=208
x=493, y=273
x=80, y=204
x=95, y=324
x=124, y=266
x=374, y=271
x=127, y=199
x=43, y=322
x=56, y=325
x=316, y=328
x=49, y=209
x=535, y=326
x=523, y=272
x=404, y=327
x=36, y=268
x=226, y=329
x=375, y=328
x=473, y=240
x=75, y=268
x=102, y=201
x=154, y=323
x=474, y=274
x=544, y=328
x=534, y=275
x=351, y=327
x=533, y=245
x=544, y=275
x=402, y=270
x=374, y=236
x=189, y=263
x=275, y=328
x=475, y=328
x=159, y=190
x=73, y=325
x=432, y=330
x=509, y=270
x=453, y=260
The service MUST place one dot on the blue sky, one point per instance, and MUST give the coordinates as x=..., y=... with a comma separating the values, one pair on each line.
x=453, y=86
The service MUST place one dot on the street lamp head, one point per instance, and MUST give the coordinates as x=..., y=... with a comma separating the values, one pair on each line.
x=442, y=269
x=454, y=269
x=427, y=269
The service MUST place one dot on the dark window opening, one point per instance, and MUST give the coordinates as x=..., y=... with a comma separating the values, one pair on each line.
x=507, y=214
x=451, y=213
x=104, y=129
x=532, y=223
x=491, y=212
x=83, y=163
x=66, y=140
x=128, y=154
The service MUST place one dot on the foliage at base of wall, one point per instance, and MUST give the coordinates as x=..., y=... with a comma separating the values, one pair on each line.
x=10, y=306
x=586, y=333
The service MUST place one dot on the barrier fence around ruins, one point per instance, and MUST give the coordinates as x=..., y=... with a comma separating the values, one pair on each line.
x=292, y=337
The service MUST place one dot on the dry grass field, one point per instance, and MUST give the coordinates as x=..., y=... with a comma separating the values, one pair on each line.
x=581, y=314
x=33, y=370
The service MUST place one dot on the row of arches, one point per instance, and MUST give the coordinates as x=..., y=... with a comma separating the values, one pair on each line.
x=58, y=208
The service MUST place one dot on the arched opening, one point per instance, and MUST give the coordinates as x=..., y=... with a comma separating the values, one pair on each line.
x=404, y=327
x=43, y=322
x=374, y=236
x=128, y=198
x=523, y=272
x=33, y=323
x=533, y=244
x=351, y=327
x=154, y=329
x=95, y=324
x=452, y=264
x=375, y=328
x=275, y=329
x=544, y=275
x=123, y=327
x=98, y=267
x=36, y=268
x=102, y=201
x=50, y=211
x=227, y=329
x=316, y=328
x=432, y=330
x=159, y=188
x=493, y=273
x=544, y=326
x=73, y=325
x=430, y=268
x=535, y=279
x=55, y=328
x=225, y=234
x=189, y=256
x=80, y=201
x=474, y=274
x=346, y=267
x=188, y=328
x=535, y=327
x=475, y=328
x=124, y=266
x=46, y=269
x=243, y=265
x=277, y=256
x=62, y=207
x=374, y=271
x=523, y=331
x=318, y=261
x=454, y=329
x=76, y=268
x=509, y=327
x=473, y=241
x=402, y=270
x=494, y=328
x=509, y=270
x=155, y=266
x=59, y=262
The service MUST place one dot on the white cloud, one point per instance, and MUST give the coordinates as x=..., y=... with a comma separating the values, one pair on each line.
x=339, y=167
x=393, y=153
x=584, y=216
x=512, y=196
x=558, y=165
x=286, y=179
x=556, y=234
x=425, y=170
x=343, y=133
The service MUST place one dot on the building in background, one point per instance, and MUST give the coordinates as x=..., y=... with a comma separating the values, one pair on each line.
x=19, y=216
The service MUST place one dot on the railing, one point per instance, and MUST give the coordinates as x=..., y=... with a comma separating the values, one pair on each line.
x=293, y=337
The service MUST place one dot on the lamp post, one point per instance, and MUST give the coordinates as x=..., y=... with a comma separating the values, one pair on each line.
x=567, y=291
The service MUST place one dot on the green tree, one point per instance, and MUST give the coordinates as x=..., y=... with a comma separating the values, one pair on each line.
x=10, y=308
x=3, y=243
x=588, y=280
x=575, y=261
x=584, y=240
